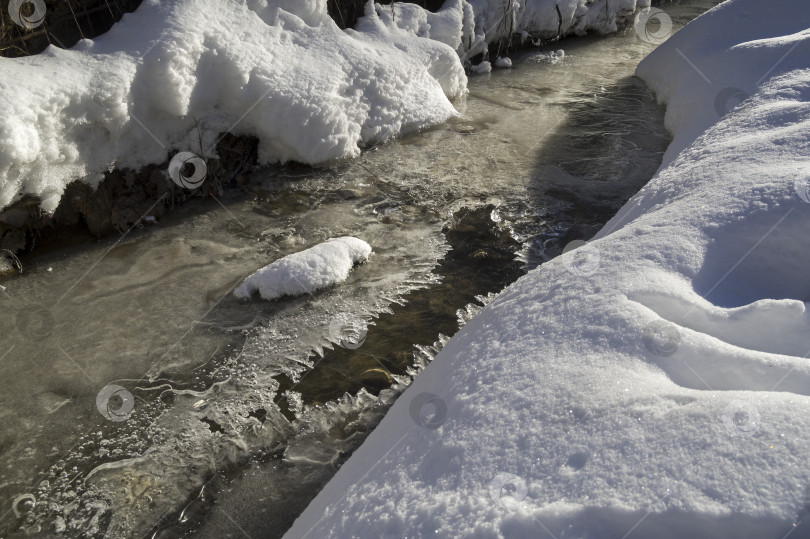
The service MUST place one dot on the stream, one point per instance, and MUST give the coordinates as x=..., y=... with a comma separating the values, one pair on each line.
x=139, y=398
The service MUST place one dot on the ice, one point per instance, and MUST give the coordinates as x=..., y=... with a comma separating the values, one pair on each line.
x=654, y=380
x=503, y=62
x=551, y=57
x=323, y=265
x=495, y=19
x=483, y=67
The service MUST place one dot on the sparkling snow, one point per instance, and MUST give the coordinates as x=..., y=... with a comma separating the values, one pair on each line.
x=323, y=265
x=654, y=381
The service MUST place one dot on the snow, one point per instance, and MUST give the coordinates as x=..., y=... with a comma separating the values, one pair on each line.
x=304, y=272
x=551, y=57
x=173, y=76
x=653, y=382
x=502, y=62
x=495, y=19
x=483, y=67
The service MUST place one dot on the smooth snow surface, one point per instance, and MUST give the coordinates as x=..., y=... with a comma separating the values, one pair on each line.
x=323, y=265
x=174, y=76
x=655, y=381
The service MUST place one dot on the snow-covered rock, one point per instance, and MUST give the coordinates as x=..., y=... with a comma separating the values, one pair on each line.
x=306, y=271
x=503, y=62
x=654, y=382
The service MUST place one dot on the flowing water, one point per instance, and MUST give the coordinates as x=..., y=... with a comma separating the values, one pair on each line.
x=138, y=397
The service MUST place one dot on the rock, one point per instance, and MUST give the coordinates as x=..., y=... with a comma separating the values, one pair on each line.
x=11, y=237
x=348, y=194
x=474, y=234
x=376, y=378
x=6, y=267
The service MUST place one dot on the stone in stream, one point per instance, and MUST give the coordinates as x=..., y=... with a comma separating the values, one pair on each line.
x=375, y=378
x=474, y=235
x=6, y=267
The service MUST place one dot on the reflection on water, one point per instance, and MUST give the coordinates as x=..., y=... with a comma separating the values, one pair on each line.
x=135, y=391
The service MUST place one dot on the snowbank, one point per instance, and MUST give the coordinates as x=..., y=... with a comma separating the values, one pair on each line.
x=173, y=76
x=323, y=265
x=655, y=381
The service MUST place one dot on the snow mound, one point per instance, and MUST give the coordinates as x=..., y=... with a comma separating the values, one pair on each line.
x=483, y=67
x=502, y=62
x=654, y=381
x=721, y=79
x=175, y=75
x=323, y=265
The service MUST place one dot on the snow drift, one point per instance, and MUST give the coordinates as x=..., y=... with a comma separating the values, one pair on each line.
x=323, y=265
x=655, y=381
